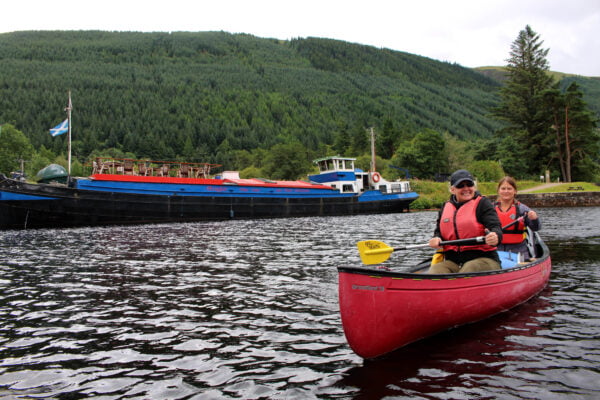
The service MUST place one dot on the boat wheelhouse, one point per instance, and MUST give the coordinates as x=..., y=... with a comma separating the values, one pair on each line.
x=341, y=174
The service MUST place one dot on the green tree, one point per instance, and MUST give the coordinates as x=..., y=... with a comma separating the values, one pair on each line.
x=364, y=162
x=41, y=159
x=457, y=152
x=251, y=172
x=287, y=161
x=486, y=171
x=575, y=137
x=387, y=139
x=14, y=147
x=360, y=141
x=510, y=154
x=425, y=156
x=241, y=159
x=522, y=99
x=342, y=140
x=188, y=152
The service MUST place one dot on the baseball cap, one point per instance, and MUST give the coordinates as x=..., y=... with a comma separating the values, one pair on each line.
x=460, y=176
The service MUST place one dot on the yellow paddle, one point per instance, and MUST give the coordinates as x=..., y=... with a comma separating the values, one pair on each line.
x=376, y=252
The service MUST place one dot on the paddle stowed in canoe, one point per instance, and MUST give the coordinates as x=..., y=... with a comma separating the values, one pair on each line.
x=383, y=310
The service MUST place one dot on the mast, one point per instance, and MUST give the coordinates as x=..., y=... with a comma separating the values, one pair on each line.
x=68, y=110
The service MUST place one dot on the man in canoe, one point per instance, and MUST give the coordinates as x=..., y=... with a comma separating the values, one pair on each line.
x=467, y=214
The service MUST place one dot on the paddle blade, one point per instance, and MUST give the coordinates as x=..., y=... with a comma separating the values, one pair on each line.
x=373, y=251
x=438, y=257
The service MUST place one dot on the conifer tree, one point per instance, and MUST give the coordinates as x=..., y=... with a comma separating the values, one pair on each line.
x=386, y=141
x=576, y=138
x=522, y=100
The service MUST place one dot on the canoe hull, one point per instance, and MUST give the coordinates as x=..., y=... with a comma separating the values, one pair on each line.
x=382, y=311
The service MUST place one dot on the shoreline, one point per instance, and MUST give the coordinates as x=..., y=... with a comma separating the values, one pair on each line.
x=560, y=199
x=541, y=200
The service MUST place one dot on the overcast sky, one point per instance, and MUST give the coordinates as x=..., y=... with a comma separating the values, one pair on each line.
x=472, y=33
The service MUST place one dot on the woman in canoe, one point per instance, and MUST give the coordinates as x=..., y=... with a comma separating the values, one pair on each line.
x=509, y=209
x=467, y=214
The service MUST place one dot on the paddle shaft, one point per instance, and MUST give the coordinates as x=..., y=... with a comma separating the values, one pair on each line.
x=463, y=242
x=475, y=240
x=374, y=251
x=512, y=223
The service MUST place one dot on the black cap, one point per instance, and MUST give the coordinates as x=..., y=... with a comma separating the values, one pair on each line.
x=460, y=176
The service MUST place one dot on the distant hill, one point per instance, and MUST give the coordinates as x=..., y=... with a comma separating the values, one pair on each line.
x=166, y=95
x=590, y=88
x=496, y=73
x=589, y=85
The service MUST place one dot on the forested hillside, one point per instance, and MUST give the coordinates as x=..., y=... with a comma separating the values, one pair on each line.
x=243, y=101
x=162, y=95
x=590, y=88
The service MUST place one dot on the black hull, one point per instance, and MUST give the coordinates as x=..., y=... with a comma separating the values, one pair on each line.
x=74, y=207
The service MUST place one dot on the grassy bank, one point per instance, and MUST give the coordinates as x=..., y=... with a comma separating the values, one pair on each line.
x=434, y=194
x=565, y=187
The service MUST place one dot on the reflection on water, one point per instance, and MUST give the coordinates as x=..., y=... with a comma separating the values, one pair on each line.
x=248, y=309
x=472, y=361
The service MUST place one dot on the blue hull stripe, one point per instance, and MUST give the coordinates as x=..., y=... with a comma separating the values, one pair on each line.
x=168, y=189
x=8, y=196
x=215, y=191
x=375, y=195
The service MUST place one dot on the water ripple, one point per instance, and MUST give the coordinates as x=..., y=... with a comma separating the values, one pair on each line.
x=249, y=309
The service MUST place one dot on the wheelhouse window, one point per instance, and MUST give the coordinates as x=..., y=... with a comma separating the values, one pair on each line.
x=347, y=165
x=335, y=164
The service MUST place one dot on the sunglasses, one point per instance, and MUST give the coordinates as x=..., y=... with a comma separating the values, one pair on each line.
x=465, y=183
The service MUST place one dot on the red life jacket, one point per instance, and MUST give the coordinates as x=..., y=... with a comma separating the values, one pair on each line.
x=462, y=224
x=516, y=233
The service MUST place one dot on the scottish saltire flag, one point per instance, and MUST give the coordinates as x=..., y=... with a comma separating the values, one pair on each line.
x=61, y=128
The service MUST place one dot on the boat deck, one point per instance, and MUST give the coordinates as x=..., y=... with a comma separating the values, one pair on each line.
x=145, y=171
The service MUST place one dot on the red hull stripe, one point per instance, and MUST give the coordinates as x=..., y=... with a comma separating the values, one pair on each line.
x=202, y=181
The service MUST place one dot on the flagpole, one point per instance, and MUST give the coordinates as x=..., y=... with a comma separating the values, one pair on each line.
x=68, y=109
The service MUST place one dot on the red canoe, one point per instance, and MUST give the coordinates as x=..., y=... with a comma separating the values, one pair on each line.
x=383, y=310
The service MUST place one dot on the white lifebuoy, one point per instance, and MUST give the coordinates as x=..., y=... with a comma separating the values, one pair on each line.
x=376, y=177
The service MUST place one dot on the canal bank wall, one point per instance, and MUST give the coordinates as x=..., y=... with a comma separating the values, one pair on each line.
x=563, y=199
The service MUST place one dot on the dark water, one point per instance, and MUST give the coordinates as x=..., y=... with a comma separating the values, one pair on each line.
x=248, y=309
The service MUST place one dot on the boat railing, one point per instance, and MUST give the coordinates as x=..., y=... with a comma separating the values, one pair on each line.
x=129, y=166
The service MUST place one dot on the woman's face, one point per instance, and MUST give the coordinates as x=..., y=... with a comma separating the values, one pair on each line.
x=506, y=192
x=463, y=192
